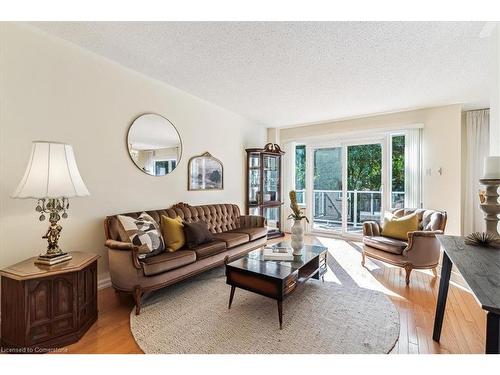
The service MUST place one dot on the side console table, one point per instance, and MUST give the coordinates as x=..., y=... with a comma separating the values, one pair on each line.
x=47, y=307
x=480, y=268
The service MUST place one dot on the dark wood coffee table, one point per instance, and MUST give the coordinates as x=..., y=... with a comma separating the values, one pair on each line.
x=275, y=279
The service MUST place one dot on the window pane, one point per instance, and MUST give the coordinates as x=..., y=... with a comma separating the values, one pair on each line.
x=364, y=167
x=300, y=173
x=364, y=183
x=327, y=194
x=328, y=169
x=398, y=171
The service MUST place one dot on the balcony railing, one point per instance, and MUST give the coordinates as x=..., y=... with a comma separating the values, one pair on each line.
x=361, y=206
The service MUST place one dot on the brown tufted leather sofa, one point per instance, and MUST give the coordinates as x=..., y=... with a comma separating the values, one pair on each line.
x=420, y=251
x=235, y=235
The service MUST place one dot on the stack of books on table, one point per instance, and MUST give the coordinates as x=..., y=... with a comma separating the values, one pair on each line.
x=278, y=253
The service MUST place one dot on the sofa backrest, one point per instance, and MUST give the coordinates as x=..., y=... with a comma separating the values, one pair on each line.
x=219, y=217
x=427, y=219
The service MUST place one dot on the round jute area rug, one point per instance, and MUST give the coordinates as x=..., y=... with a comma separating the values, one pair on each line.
x=192, y=317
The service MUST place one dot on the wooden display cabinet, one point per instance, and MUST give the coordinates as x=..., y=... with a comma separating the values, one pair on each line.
x=264, y=186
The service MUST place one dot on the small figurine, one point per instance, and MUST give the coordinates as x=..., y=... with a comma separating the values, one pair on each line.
x=52, y=237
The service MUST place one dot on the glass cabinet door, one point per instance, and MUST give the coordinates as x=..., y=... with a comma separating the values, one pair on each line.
x=272, y=215
x=254, y=211
x=271, y=178
x=254, y=178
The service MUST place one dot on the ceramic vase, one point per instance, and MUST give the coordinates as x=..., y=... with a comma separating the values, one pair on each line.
x=297, y=237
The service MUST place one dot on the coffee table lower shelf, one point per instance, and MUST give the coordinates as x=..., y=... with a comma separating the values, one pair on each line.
x=276, y=280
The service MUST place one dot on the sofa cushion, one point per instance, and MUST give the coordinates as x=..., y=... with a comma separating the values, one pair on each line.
x=219, y=217
x=143, y=232
x=208, y=249
x=253, y=233
x=433, y=220
x=173, y=233
x=232, y=239
x=167, y=261
x=197, y=234
x=398, y=227
x=390, y=245
x=427, y=219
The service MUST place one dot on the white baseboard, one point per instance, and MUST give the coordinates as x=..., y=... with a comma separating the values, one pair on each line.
x=104, y=281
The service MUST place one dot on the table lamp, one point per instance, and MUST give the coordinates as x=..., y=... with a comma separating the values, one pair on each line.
x=52, y=177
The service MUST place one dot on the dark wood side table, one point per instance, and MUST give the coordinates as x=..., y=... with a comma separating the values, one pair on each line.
x=480, y=268
x=276, y=279
x=47, y=307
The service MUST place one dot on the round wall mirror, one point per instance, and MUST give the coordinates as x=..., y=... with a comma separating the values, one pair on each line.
x=154, y=144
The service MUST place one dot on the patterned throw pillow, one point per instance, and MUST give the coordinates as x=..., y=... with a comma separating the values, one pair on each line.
x=143, y=232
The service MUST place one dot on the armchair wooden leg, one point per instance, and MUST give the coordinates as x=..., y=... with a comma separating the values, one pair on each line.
x=408, y=269
x=435, y=272
x=363, y=258
x=137, y=299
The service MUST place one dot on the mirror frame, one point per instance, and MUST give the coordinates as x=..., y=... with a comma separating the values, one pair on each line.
x=207, y=155
x=128, y=150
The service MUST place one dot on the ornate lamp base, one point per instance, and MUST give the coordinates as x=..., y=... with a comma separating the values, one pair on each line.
x=491, y=207
x=53, y=207
x=51, y=259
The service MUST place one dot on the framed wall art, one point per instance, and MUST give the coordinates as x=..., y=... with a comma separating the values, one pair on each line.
x=205, y=173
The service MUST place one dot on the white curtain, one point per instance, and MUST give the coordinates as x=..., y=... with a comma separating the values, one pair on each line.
x=477, y=125
x=288, y=182
x=146, y=159
x=413, y=168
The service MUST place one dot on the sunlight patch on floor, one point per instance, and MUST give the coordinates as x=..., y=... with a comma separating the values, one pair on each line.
x=330, y=277
x=348, y=255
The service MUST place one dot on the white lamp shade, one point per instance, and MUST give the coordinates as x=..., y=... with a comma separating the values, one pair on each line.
x=51, y=173
x=492, y=167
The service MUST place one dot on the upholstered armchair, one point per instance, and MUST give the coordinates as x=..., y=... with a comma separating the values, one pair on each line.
x=420, y=251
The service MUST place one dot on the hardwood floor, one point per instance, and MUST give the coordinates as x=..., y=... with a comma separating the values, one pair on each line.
x=111, y=333
x=463, y=328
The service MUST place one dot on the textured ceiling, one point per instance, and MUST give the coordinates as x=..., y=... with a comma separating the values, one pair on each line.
x=286, y=73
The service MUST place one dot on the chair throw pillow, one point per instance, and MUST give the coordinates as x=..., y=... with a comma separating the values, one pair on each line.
x=398, y=227
x=143, y=232
x=197, y=234
x=173, y=233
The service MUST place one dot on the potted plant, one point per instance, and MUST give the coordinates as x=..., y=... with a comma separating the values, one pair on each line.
x=297, y=230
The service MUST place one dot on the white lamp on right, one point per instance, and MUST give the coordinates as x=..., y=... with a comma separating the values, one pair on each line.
x=491, y=179
x=492, y=167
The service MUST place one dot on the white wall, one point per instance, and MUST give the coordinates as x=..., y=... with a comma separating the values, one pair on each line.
x=53, y=90
x=442, y=148
x=495, y=93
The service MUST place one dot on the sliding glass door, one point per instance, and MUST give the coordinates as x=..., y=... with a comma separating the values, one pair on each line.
x=346, y=187
x=364, y=185
x=327, y=189
x=343, y=183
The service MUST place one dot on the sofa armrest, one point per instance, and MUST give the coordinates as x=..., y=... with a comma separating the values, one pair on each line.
x=252, y=221
x=125, y=246
x=118, y=245
x=413, y=237
x=371, y=228
x=423, y=248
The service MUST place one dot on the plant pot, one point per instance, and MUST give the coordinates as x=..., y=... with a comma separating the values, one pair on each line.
x=297, y=237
